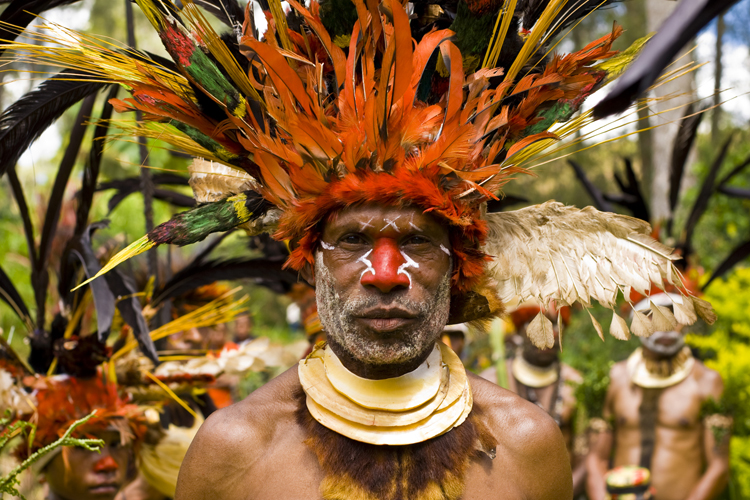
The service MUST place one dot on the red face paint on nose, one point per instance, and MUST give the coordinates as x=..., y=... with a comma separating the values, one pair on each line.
x=386, y=258
x=106, y=464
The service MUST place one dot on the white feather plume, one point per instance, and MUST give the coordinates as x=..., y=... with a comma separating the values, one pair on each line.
x=213, y=181
x=557, y=255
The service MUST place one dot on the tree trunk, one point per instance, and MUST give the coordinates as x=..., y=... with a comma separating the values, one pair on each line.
x=667, y=122
x=147, y=184
x=718, y=69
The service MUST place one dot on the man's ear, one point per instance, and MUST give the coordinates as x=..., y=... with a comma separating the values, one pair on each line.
x=308, y=274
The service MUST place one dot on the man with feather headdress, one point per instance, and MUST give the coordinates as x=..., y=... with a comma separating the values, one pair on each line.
x=371, y=142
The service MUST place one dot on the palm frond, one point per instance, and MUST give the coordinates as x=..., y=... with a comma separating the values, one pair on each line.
x=594, y=192
x=10, y=295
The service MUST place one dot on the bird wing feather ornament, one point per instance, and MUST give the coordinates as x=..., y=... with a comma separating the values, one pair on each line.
x=385, y=103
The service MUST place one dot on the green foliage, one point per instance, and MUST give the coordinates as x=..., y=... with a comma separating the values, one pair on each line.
x=9, y=482
x=727, y=350
x=584, y=351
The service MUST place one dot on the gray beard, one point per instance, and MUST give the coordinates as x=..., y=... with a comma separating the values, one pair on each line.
x=337, y=316
x=664, y=350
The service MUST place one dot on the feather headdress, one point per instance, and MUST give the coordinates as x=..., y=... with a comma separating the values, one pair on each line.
x=391, y=107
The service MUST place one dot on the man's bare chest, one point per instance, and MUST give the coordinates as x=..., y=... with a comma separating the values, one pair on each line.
x=677, y=407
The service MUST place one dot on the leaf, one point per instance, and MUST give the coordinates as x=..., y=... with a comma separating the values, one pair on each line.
x=104, y=299
x=25, y=120
x=662, y=318
x=641, y=325
x=10, y=295
x=596, y=194
x=707, y=189
x=680, y=149
x=618, y=328
x=737, y=255
x=540, y=332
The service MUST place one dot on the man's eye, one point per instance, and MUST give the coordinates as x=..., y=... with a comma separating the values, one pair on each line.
x=417, y=240
x=352, y=239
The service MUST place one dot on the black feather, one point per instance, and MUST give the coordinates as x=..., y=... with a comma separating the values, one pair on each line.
x=25, y=120
x=688, y=18
x=229, y=12
x=126, y=187
x=40, y=276
x=268, y=272
x=737, y=255
x=91, y=171
x=10, y=295
x=701, y=202
x=23, y=209
x=504, y=203
x=594, y=192
x=21, y=13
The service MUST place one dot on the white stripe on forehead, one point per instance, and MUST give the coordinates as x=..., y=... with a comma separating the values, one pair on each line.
x=391, y=222
x=366, y=262
x=366, y=224
x=409, y=263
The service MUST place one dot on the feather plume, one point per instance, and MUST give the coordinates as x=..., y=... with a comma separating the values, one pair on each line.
x=556, y=254
x=25, y=120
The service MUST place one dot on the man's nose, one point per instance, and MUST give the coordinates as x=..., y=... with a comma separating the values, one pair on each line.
x=106, y=464
x=383, y=270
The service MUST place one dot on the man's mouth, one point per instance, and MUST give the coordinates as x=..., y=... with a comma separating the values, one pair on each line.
x=105, y=489
x=386, y=319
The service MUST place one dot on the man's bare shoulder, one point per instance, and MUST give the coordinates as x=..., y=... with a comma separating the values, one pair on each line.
x=232, y=440
x=709, y=380
x=618, y=374
x=519, y=426
x=528, y=441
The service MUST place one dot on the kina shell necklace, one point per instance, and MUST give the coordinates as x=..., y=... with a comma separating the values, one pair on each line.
x=414, y=407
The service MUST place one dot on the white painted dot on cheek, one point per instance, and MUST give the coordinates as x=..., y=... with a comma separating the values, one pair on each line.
x=326, y=245
x=409, y=263
x=447, y=252
x=366, y=262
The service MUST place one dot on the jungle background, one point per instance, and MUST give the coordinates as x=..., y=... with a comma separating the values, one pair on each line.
x=722, y=81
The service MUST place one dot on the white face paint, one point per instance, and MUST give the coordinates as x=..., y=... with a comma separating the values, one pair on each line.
x=367, y=224
x=368, y=263
x=412, y=225
x=447, y=252
x=326, y=245
x=409, y=263
x=392, y=223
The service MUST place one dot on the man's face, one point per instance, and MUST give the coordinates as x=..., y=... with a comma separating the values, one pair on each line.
x=78, y=474
x=382, y=279
x=665, y=344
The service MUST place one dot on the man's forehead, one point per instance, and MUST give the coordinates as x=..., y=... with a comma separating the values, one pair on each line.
x=381, y=217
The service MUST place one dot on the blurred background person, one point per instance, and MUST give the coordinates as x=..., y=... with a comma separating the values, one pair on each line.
x=654, y=411
x=538, y=376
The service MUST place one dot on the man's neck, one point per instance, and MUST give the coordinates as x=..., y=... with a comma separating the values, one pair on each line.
x=377, y=372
